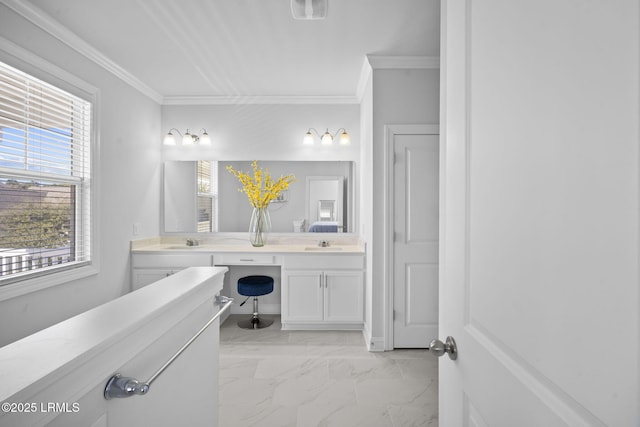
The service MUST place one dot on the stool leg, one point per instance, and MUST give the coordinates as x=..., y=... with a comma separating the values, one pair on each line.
x=255, y=309
x=255, y=321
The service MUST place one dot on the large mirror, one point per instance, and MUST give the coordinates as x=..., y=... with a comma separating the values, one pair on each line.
x=202, y=196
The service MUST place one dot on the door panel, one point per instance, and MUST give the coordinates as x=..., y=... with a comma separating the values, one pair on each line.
x=421, y=286
x=415, y=248
x=539, y=261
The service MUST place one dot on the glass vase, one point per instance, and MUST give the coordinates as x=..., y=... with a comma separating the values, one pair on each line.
x=259, y=226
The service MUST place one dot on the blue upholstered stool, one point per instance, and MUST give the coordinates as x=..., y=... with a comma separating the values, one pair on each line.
x=254, y=286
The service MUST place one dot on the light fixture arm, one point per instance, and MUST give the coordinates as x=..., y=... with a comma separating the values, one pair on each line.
x=314, y=131
x=174, y=129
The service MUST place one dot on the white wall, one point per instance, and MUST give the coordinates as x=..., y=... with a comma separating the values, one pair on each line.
x=129, y=164
x=262, y=131
x=400, y=96
x=366, y=195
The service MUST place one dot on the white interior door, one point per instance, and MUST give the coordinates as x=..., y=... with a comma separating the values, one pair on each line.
x=415, y=237
x=325, y=196
x=539, y=213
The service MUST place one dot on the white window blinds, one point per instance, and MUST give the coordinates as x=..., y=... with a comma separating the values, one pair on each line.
x=44, y=177
x=207, y=200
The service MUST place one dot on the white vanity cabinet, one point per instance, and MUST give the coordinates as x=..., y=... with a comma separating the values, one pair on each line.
x=316, y=287
x=323, y=292
x=148, y=268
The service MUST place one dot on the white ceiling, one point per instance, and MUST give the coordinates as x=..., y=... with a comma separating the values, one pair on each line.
x=229, y=48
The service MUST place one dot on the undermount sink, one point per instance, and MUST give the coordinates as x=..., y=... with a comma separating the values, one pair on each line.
x=323, y=248
x=182, y=247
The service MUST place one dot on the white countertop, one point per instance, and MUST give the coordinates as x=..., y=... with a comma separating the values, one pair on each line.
x=231, y=243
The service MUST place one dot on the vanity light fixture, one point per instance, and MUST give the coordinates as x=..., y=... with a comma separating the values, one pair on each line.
x=326, y=138
x=188, y=138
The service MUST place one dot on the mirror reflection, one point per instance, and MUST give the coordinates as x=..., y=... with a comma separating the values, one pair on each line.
x=202, y=196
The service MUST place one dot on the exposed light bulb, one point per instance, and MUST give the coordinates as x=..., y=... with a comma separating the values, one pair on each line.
x=169, y=139
x=327, y=139
x=308, y=138
x=344, y=138
x=187, y=139
x=205, y=139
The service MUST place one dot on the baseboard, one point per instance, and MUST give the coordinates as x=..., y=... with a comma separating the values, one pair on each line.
x=376, y=344
x=224, y=316
x=373, y=343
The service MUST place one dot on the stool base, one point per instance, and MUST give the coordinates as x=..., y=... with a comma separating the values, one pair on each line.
x=255, y=322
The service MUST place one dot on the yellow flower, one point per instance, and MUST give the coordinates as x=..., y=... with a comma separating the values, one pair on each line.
x=261, y=189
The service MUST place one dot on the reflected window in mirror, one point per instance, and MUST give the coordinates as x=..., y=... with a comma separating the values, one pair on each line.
x=207, y=200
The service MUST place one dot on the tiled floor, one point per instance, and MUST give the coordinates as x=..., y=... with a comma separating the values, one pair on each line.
x=275, y=378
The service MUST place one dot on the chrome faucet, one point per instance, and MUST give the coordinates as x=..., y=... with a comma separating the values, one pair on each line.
x=323, y=243
x=192, y=242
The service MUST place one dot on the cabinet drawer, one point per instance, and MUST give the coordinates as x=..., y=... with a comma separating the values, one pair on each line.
x=244, y=259
x=325, y=262
x=171, y=260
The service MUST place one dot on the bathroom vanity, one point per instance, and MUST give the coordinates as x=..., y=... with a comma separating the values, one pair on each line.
x=320, y=288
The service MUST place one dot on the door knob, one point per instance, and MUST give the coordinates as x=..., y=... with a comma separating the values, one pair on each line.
x=438, y=348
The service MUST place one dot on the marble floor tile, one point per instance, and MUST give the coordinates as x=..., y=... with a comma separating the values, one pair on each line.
x=246, y=391
x=341, y=338
x=342, y=416
x=363, y=368
x=275, y=378
x=290, y=367
x=262, y=350
x=411, y=416
x=300, y=391
x=418, y=368
x=409, y=392
x=332, y=351
x=238, y=367
x=257, y=416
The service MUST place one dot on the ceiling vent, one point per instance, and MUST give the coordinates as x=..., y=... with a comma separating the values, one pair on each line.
x=309, y=9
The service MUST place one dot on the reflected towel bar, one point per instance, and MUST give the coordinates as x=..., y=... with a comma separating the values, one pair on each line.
x=119, y=386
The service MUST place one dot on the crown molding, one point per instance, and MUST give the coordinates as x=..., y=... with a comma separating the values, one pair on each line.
x=365, y=74
x=48, y=24
x=258, y=100
x=381, y=62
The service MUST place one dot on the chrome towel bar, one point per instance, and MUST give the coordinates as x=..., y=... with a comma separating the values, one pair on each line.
x=119, y=386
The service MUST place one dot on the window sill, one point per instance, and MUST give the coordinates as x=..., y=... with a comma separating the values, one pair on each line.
x=48, y=280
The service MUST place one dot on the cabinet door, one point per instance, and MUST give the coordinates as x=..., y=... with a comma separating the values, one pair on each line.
x=302, y=295
x=344, y=296
x=145, y=276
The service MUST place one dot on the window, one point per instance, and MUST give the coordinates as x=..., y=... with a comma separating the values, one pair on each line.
x=45, y=177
